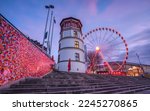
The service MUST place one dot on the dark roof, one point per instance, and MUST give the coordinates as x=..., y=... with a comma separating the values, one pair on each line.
x=70, y=18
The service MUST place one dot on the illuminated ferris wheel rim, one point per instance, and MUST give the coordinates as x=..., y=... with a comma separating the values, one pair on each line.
x=113, y=31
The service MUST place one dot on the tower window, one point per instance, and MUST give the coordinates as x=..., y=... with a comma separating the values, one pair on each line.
x=75, y=34
x=59, y=46
x=76, y=44
x=58, y=58
x=77, y=57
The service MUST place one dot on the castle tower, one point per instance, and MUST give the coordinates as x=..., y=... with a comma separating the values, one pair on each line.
x=71, y=46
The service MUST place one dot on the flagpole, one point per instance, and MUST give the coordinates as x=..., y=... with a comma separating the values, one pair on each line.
x=45, y=36
x=54, y=21
x=49, y=33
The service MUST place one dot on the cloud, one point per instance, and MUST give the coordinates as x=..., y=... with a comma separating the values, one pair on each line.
x=140, y=44
x=123, y=8
x=129, y=17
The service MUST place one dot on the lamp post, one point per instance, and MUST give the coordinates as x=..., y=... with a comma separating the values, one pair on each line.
x=45, y=33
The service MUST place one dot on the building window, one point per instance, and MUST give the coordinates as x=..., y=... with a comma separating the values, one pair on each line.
x=59, y=46
x=75, y=34
x=58, y=58
x=68, y=24
x=76, y=44
x=77, y=57
x=61, y=35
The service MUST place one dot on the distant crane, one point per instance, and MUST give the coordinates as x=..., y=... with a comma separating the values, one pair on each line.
x=140, y=61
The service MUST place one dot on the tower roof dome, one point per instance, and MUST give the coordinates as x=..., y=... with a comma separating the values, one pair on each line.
x=70, y=19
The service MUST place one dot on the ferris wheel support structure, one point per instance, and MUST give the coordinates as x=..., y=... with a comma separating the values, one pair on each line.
x=102, y=56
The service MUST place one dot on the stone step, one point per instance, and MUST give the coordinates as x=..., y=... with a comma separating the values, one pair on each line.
x=22, y=85
x=22, y=91
x=94, y=89
x=60, y=89
x=60, y=85
x=119, y=90
x=79, y=89
x=132, y=91
x=63, y=82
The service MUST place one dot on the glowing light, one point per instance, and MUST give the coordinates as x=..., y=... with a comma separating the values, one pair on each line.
x=97, y=48
x=24, y=62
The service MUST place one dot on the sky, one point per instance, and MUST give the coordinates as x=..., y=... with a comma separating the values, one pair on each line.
x=130, y=17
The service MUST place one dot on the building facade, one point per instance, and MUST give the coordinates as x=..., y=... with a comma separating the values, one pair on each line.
x=129, y=69
x=71, y=46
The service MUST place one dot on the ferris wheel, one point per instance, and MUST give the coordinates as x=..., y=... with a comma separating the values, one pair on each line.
x=105, y=47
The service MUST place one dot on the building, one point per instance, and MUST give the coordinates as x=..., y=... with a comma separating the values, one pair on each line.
x=129, y=69
x=71, y=46
x=134, y=69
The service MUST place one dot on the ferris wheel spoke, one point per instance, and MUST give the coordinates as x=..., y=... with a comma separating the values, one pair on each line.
x=113, y=40
x=98, y=40
x=113, y=55
x=109, y=37
x=90, y=44
x=90, y=41
x=116, y=44
x=119, y=43
x=94, y=39
x=120, y=49
x=90, y=48
x=100, y=36
x=104, y=36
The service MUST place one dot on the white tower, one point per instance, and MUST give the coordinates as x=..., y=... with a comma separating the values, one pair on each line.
x=71, y=46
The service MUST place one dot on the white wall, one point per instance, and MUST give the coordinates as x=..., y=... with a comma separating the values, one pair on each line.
x=75, y=67
x=69, y=42
x=66, y=33
x=70, y=33
x=70, y=53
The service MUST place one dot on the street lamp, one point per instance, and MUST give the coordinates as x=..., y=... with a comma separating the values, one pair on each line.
x=45, y=33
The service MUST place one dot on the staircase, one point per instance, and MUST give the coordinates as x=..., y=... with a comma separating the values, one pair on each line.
x=73, y=83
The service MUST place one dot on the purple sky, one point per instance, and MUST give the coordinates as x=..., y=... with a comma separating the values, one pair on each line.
x=130, y=17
